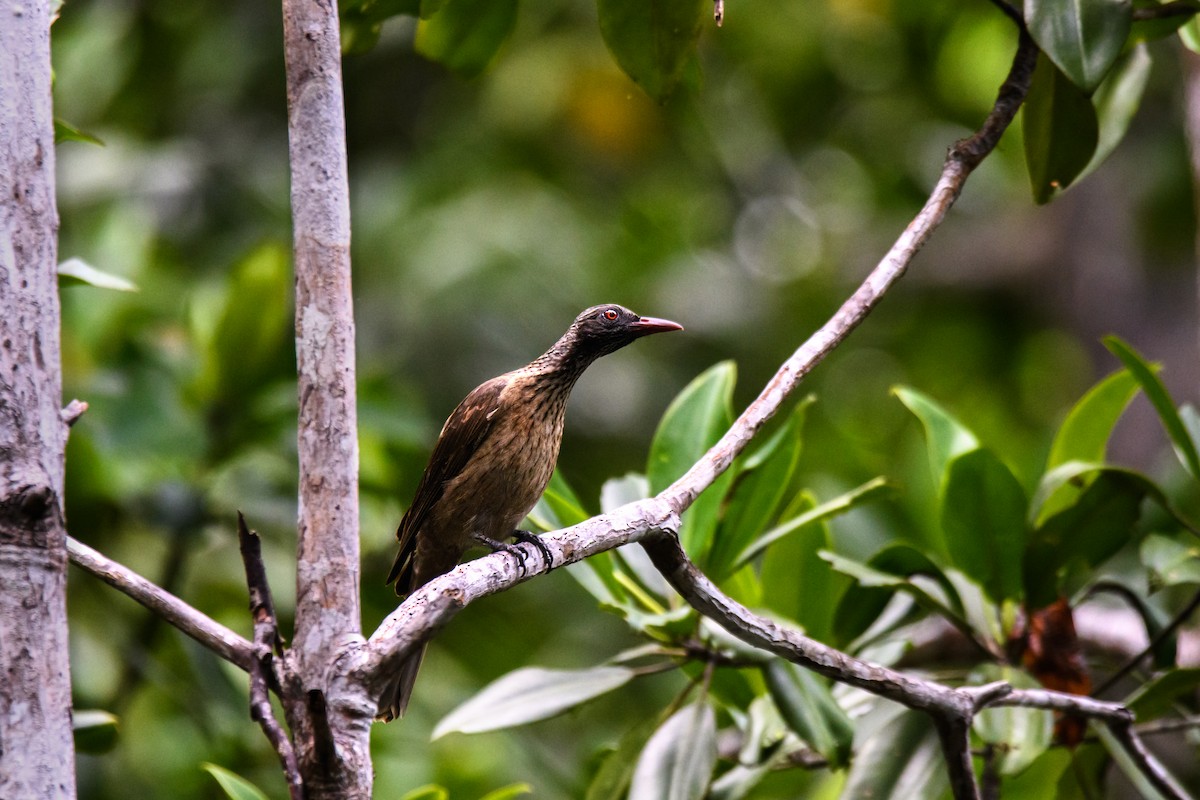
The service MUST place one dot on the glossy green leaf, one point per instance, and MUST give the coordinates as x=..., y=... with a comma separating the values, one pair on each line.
x=1158, y=696
x=945, y=436
x=235, y=786
x=1083, y=37
x=530, y=694
x=430, y=791
x=75, y=271
x=805, y=702
x=678, y=760
x=653, y=41
x=1083, y=436
x=1061, y=131
x=890, y=570
x=897, y=756
x=755, y=499
x=1160, y=398
x=873, y=489
x=1020, y=735
x=1171, y=562
x=612, y=779
x=692, y=423
x=95, y=731
x=1091, y=530
x=1116, y=102
x=465, y=35
x=1189, y=34
x=983, y=520
x=509, y=792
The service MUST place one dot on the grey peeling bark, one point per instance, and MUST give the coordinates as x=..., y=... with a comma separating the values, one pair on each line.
x=36, y=749
x=330, y=723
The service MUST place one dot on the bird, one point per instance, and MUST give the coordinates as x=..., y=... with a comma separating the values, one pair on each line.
x=492, y=461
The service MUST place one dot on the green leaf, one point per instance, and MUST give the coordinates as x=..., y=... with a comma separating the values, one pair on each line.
x=692, y=423
x=983, y=520
x=678, y=760
x=1097, y=523
x=805, y=702
x=611, y=781
x=235, y=786
x=508, y=792
x=874, y=489
x=1170, y=561
x=761, y=485
x=1116, y=101
x=1083, y=436
x=77, y=271
x=95, y=731
x=1060, y=488
x=1061, y=131
x=1083, y=37
x=897, y=757
x=1160, y=398
x=66, y=132
x=653, y=41
x=1153, y=699
x=888, y=571
x=945, y=437
x=1189, y=34
x=530, y=694
x=465, y=35
x=1020, y=734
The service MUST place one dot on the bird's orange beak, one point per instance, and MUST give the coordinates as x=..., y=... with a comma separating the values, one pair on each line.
x=648, y=325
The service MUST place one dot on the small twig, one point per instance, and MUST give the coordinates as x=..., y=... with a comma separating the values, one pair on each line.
x=989, y=783
x=1179, y=8
x=73, y=411
x=204, y=629
x=266, y=641
x=1146, y=761
x=1129, y=666
x=1110, y=713
x=1155, y=727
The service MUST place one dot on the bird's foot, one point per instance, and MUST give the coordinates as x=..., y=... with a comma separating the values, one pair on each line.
x=525, y=537
x=497, y=546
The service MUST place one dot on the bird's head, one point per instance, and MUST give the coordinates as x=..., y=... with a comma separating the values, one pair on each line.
x=602, y=329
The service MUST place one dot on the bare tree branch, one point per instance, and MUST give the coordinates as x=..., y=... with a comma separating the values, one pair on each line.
x=204, y=629
x=266, y=642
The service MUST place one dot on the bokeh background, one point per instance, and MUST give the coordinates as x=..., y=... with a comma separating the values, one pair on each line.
x=486, y=214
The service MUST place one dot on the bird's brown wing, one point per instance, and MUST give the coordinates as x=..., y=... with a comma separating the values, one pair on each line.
x=464, y=432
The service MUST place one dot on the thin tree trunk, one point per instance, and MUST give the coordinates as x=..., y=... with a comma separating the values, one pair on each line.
x=330, y=721
x=36, y=748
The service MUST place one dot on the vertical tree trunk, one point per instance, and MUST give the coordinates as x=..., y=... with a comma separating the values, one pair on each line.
x=36, y=749
x=331, y=729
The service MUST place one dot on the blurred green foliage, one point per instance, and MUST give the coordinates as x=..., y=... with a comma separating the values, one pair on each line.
x=486, y=214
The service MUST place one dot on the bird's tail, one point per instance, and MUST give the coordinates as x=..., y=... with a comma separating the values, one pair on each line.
x=394, y=701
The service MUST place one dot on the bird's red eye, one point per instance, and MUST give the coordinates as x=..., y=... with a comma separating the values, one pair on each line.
x=610, y=314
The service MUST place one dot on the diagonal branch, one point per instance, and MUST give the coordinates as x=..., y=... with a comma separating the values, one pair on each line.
x=201, y=627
